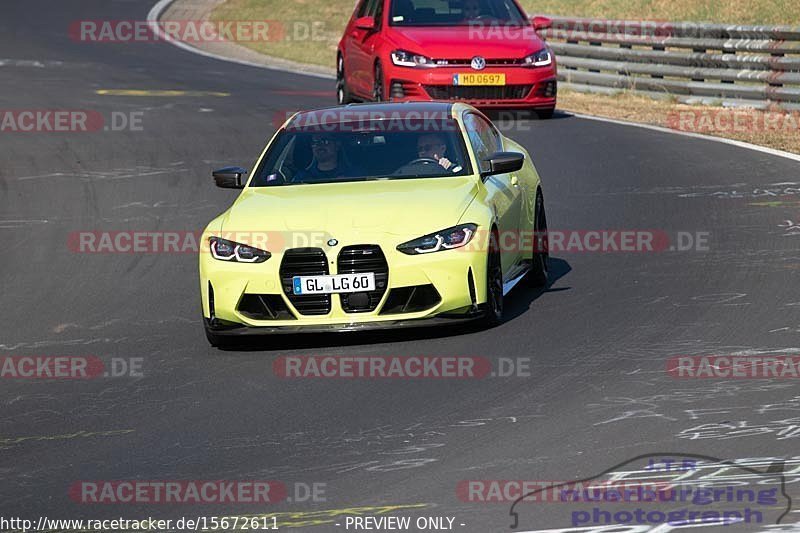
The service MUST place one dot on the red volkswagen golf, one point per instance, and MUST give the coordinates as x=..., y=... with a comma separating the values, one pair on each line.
x=484, y=52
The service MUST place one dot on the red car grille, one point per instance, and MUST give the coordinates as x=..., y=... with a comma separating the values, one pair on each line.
x=465, y=92
x=468, y=62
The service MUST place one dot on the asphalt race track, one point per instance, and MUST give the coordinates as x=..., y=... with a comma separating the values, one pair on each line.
x=598, y=338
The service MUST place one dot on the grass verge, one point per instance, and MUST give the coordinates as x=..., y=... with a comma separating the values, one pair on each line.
x=777, y=130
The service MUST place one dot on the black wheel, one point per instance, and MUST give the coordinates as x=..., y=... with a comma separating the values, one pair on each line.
x=493, y=314
x=545, y=114
x=377, y=86
x=541, y=256
x=342, y=92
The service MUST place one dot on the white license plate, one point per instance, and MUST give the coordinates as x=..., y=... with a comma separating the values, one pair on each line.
x=334, y=284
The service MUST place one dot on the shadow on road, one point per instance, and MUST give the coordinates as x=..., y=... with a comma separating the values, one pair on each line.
x=519, y=301
x=510, y=115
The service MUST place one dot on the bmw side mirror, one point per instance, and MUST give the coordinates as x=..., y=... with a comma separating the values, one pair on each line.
x=365, y=23
x=502, y=163
x=542, y=23
x=230, y=177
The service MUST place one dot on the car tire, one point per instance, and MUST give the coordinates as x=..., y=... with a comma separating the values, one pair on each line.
x=378, y=88
x=493, y=313
x=540, y=258
x=342, y=92
x=546, y=113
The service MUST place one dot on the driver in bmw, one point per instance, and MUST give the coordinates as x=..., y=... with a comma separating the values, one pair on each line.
x=432, y=146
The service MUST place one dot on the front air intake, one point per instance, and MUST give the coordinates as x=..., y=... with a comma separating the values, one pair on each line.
x=358, y=260
x=411, y=299
x=264, y=307
x=305, y=262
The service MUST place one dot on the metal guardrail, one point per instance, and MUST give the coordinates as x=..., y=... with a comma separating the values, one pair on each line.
x=731, y=65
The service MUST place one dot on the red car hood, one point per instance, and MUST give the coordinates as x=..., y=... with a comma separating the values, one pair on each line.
x=465, y=42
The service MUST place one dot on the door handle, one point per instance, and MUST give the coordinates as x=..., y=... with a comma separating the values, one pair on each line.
x=514, y=181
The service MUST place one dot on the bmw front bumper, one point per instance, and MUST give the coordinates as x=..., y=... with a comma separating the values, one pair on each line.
x=429, y=289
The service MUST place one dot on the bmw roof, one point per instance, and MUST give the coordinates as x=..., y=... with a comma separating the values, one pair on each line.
x=372, y=111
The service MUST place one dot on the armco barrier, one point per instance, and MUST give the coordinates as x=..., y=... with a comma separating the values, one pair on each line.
x=755, y=66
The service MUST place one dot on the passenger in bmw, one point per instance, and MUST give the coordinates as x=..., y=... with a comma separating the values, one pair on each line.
x=327, y=163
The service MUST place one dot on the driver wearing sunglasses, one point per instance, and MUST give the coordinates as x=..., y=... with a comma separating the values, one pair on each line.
x=432, y=146
x=327, y=163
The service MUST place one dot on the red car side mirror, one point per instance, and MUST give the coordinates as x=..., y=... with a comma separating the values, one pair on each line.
x=365, y=23
x=542, y=23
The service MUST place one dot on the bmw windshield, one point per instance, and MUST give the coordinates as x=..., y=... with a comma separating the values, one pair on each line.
x=455, y=13
x=364, y=150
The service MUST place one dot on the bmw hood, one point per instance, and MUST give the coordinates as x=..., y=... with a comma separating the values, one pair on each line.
x=402, y=207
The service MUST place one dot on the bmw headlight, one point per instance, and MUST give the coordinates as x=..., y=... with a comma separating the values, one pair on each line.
x=225, y=250
x=542, y=58
x=447, y=239
x=401, y=58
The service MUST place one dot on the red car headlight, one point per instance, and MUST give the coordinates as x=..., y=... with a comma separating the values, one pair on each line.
x=542, y=58
x=401, y=58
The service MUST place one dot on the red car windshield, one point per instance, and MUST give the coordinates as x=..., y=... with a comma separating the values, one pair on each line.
x=455, y=12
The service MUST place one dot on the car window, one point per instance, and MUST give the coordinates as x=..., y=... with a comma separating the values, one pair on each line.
x=455, y=12
x=483, y=137
x=367, y=8
x=492, y=136
x=377, y=13
x=475, y=140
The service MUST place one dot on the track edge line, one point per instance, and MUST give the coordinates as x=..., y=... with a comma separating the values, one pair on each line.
x=154, y=15
x=662, y=129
